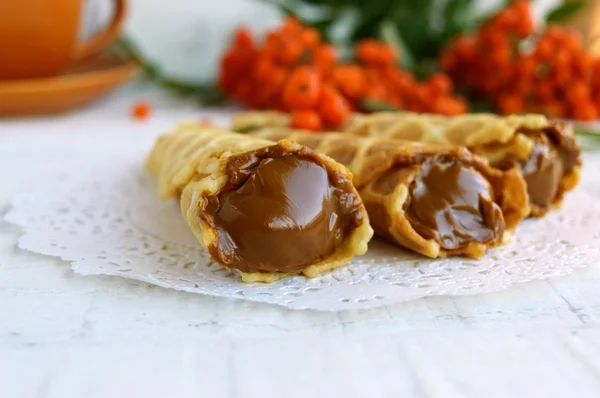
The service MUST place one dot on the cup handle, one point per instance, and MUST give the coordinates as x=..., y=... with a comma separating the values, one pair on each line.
x=105, y=37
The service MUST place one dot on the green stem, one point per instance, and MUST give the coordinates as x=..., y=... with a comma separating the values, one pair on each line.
x=208, y=94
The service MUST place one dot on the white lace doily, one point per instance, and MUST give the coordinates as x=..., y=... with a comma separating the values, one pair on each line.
x=109, y=221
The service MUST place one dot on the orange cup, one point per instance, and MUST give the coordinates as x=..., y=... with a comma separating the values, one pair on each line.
x=38, y=38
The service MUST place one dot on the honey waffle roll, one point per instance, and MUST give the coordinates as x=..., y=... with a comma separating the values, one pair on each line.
x=547, y=153
x=265, y=209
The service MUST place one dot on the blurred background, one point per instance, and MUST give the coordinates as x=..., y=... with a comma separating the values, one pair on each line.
x=436, y=56
x=187, y=37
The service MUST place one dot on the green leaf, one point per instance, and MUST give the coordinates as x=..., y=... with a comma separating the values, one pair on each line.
x=390, y=34
x=587, y=132
x=323, y=26
x=127, y=49
x=371, y=105
x=425, y=68
x=461, y=17
x=480, y=107
x=207, y=94
x=288, y=11
x=210, y=94
x=565, y=11
x=590, y=138
x=412, y=21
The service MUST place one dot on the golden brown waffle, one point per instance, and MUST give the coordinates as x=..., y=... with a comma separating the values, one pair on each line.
x=371, y=160
x=190, y=163
x=502, y=140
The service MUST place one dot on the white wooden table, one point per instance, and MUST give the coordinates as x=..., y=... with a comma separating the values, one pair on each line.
x=64, y=335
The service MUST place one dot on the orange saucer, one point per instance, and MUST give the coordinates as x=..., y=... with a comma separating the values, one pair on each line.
x=86, y=81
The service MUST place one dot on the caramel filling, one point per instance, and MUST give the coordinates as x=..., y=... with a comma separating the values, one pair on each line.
x=280, y=213
x=453, y=204
x=544, y=168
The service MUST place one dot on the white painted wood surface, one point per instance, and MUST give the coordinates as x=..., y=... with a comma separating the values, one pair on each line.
x=63, y=335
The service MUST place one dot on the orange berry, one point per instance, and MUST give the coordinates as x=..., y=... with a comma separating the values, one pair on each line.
x=524, y=22
x=526, y=27
x=492, y=39
x=440, y=83
x=455, y=106
x=263, y=68
x=585, y=111
x=554, y=34
x=266, y=95
x=302, y=89
x=249, y=97
x=324, y=58
x=375, y=92
x=290, y=52
x=310, y=37
x=572, y=42
x=291, y=26
x=595, y=72
x=545, y=91
x=596, y=101
x=447, y=106
x=243, y=39
x=374, y=52
x=141, y=110
x=489, y=86
x=278, y=77
x=523, y=85
x=306, y=119
x=271, y=44
x=404, y=82
x=578, y=92
x=511, y=103
x=333, y=107
x=561, y=59
x=465, y=47
x=583, y=66
x=278, y=105
x=270, y=90
x=448, y=61
x=421, y=94
x=233, y=61
x=414, y=106
x=526, y=66
x=501, y=56
x=561, y=79
x=522, y=8
x=505, y=20
x=350, y=79
x=555, y=110
x=544, y=48
x=242, y=91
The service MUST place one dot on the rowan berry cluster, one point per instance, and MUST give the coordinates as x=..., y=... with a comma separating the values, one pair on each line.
x=293, y=70
x=517, y=71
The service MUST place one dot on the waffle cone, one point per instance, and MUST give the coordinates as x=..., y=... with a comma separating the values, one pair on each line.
x=500, y=139
x=371, y=160
x=191, y=163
